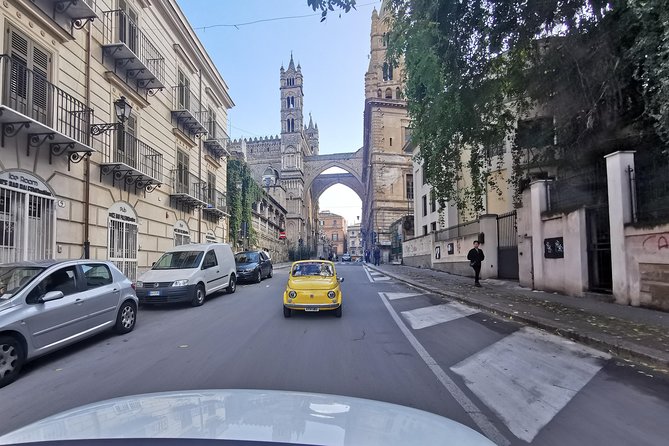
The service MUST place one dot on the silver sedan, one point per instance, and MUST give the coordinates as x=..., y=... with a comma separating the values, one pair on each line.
x=46, y=305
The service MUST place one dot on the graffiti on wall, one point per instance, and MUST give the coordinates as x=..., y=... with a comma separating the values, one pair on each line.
x=656, y=242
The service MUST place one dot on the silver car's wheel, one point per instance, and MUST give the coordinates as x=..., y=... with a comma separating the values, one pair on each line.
x=12, y=358
x=126, y=318
x=198, y=299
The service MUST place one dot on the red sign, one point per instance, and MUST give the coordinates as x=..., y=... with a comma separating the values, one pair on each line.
x=282, y=235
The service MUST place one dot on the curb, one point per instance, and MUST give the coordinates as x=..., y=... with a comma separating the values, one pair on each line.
x=621, y=349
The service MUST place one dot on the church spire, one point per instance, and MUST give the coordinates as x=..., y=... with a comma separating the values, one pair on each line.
x=311, y=122
x=291, y=65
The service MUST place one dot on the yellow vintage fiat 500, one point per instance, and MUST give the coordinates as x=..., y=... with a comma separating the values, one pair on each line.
x=313, y=285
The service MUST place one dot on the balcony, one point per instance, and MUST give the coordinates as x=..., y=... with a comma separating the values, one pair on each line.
x=186, y=111
x=216, y=141
x=69, y=14
x=217, y=204
x=46, y=114
x=134, y=57
x=188, y=189
x=131, y=162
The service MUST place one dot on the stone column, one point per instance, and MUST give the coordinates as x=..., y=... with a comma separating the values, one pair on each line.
x=488, y=227
x=620, y=213
x=538, y=205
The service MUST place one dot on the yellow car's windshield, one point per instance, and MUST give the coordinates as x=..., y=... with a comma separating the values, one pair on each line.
x=312, y=269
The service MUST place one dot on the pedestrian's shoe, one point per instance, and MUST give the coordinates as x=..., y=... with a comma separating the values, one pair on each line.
x=478, y=284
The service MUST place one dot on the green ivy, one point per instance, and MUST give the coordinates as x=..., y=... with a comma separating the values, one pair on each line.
x=240, y=201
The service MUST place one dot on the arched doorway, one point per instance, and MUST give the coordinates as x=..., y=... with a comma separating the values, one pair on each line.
x=122, y=238
x=27, y=217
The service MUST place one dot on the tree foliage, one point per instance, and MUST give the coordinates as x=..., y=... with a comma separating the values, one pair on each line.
x=474, y=67
x=243, y=191
x=326, y=6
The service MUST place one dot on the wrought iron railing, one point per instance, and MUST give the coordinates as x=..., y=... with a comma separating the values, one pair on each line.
x=184, y=99
x=649, y=187
x=187, y=183
x=460, y=230
x=215, y=131
x=585, y=189
x=30, y=93
x=217, y=199
x=118, y=27
x=124, y=148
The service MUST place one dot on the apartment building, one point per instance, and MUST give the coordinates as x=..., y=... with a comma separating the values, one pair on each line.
x=332, y=231
x=113, y=132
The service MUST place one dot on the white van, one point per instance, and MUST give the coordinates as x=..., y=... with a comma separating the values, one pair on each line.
x=189, y=273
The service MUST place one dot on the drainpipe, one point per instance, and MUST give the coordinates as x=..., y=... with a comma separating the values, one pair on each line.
x=87, y=161
x=199, y=162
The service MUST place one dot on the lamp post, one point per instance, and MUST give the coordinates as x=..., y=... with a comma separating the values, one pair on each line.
x=123, y=111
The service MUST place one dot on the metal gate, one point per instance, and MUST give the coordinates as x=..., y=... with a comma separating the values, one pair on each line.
x=123, y=246
x=27, y=222
x=507, y=246
x=599, y=249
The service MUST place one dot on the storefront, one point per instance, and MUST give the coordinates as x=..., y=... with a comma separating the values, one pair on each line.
x=122, y=238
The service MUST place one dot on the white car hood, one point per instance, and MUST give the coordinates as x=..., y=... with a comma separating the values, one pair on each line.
x=166, y=275
x=252, y=415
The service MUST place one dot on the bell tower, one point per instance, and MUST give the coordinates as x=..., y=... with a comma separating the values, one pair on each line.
x=292, y=98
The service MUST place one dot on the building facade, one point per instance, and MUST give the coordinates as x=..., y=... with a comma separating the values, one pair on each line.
x=333, y=233
x=354, y=242
x=278, y=162
x=114, y=144
x=269, y=221
x=387, y=168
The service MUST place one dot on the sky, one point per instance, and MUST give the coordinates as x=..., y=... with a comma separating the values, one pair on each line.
x=334, y=56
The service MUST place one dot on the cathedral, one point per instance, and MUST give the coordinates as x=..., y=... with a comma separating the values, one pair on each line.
x=277, y=162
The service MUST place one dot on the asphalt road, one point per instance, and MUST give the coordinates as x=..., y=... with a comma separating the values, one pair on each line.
x=516, y=385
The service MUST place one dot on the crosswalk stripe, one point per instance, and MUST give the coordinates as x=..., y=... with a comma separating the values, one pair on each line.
x=437, y=314
x=393, y=296
x=529, y=376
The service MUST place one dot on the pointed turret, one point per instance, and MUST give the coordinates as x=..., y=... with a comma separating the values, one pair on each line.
x=291, y=65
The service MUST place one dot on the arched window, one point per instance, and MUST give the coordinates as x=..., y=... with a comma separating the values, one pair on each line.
x=379, y=93
x=290, y=125
x=389, y=93
x=390, y=72
x=385, y=71
x=290, y=101
x=398, y=93
x=270, y=177
x=291, y=81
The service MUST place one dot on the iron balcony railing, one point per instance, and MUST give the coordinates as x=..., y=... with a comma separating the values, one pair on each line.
x=124, y=148
x=30, y=93
x=216, y=200
x=119, y=27
x=584, y=189
x=217, y=139
x=187, y=183
x=186, y=109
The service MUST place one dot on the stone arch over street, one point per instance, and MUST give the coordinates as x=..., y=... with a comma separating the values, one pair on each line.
x=318, y=182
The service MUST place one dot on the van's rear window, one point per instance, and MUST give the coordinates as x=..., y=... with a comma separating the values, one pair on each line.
x=179, y=260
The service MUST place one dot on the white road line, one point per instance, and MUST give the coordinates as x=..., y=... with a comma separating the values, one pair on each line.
x=437, y=314
x=529, y=376
x=486, y=426
x=393, y=296
x=381, y=278
x=368, y=275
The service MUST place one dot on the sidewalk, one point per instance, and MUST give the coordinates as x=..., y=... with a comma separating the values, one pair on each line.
x=637, y=334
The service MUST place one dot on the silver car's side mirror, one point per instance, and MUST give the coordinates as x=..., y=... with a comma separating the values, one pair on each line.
x=341, y=279
x=51, y=295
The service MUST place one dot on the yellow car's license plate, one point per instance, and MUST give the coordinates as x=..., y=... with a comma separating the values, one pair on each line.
x=311, y=308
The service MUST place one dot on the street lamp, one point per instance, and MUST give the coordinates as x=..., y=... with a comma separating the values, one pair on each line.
x=123, y=110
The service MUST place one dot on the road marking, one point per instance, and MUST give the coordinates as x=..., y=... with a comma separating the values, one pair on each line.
x=437, y=314
x=393, y=296
x=529, y=376
x=486, y=426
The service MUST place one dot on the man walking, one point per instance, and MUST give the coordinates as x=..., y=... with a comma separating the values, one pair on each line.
x=476, y=257
x=377, y=256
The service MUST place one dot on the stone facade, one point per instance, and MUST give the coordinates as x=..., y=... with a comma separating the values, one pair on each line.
x=386, y=166
x=279, y=161
x=69, y=189
x=333, y=233
x=354, y=242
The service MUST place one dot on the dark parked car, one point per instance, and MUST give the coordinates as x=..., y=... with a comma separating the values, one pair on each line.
x=346, y=257
x=253, y=265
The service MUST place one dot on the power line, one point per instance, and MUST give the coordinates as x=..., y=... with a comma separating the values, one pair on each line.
x=272, y=19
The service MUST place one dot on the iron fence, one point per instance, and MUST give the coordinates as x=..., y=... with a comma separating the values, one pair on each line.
x=585, y=189
x=460, y=230
x=649, y=187
x=507, y=230
x=184, y=99
x=119, y=27
x=30, y=93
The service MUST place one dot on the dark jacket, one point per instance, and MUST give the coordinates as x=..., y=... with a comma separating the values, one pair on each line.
x=475, y=256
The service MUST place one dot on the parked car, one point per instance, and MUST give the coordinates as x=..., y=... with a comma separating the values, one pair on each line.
x=46, y=305
x=313, y=285
x=253, y=265
x=189, y=273
x=346, y=257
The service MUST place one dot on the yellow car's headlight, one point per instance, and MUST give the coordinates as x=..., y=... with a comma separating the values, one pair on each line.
x=292, y=294
x=332, y=294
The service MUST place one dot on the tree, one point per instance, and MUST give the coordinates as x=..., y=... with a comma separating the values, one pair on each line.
x=243, y=191
x=473, y=67
x=329, y=5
